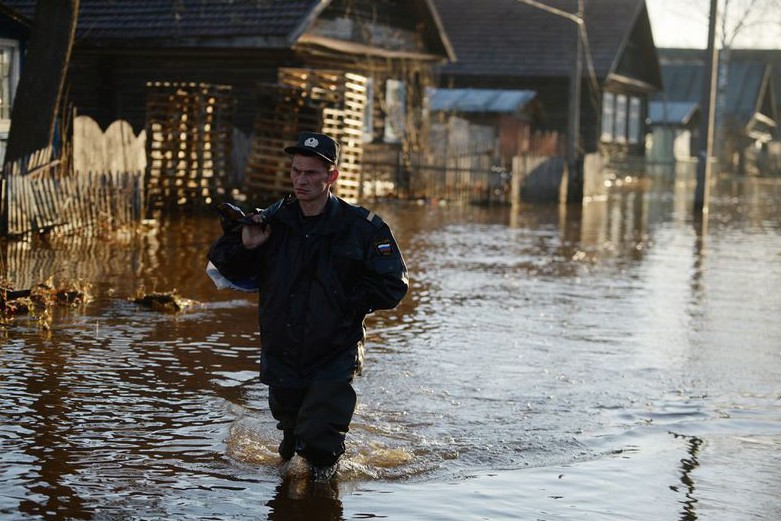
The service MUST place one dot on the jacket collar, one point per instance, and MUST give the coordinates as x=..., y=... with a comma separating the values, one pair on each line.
x=333, y=215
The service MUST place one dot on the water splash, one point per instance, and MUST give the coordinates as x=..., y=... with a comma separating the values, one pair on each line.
x=254, y=441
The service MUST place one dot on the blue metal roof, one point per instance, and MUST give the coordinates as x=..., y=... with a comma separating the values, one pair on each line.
x=671, y=112
x=747, y=86
x=479, y=100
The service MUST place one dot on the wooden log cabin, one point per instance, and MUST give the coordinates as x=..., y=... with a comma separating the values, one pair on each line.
x=220, y=86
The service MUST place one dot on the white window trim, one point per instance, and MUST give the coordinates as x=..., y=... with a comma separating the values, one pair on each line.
x=633, y=129
x=619, y=130
x=13, y=78
x=395, y=102
x=608, y=116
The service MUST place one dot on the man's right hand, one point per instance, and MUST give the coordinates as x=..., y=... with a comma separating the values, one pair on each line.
x=253, y=235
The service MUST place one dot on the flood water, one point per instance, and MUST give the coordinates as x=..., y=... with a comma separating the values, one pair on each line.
x=606, y=363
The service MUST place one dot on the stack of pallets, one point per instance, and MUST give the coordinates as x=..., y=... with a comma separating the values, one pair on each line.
x=332, y=102
x=189, y=141
x=283, y=111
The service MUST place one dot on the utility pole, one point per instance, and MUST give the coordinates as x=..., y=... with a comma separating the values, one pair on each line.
x=574, y=173
x=707, y=127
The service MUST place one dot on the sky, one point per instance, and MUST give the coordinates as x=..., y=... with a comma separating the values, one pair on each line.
x=684, y=23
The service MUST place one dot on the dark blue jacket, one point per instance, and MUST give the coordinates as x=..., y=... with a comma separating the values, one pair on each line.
x=317, y=282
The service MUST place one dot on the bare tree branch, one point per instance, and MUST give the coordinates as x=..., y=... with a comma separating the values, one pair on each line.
x=738, y=17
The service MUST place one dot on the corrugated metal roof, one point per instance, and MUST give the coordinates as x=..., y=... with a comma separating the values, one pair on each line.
x=510, y=38
x=131, y=19
x=744, y=87
x=745, y=81
x=672, y=112
x=255, y=23
x=479, y=100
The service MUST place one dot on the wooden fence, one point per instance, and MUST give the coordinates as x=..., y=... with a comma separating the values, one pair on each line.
x=47, y=199
x=463, y=164
x=96, y=187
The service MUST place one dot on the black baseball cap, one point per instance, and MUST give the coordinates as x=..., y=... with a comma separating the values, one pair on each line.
x=313, y=143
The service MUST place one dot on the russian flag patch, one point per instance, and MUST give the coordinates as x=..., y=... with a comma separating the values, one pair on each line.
x=384, y=248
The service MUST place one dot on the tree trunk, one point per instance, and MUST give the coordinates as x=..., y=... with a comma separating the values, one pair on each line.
x=41, y=84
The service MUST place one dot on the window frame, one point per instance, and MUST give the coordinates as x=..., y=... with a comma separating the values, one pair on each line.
x=634, y=120
x=395, y=110
x=9, y=81
x=620, y=125
x=608, y=116
x=12, y=79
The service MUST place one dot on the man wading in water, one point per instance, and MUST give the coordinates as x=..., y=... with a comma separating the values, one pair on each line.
x=321, y=265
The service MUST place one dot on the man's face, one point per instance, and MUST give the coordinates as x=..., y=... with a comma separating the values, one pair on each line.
x=311, y=178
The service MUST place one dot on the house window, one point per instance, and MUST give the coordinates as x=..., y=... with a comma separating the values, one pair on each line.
x=395, y=113
x=634, y=120
x=608, y=106
x=619, y=133
x=9, y=77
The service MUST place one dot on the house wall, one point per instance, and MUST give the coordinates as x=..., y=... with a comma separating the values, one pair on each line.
x=111, y=85
x=668, y=144
x=369, y=23
x=392, y=25
x=514, y=138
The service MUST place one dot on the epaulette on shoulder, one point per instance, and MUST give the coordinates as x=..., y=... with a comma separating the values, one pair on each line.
x=369, y=215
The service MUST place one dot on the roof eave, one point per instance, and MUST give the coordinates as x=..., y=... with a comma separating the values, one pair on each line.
x=625, y=41
x=15, y=15
x=203, y=42
x=307, y=22
x=447, y=46
x=764, y=120
x=694, y=112
x=626, y=80
x=763, y=89
x=311, y=40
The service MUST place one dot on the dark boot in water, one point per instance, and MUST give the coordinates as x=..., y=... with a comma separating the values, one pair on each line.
x=287, y=448
x=322, y=474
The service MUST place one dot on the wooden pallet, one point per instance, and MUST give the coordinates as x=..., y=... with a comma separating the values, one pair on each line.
x=189, y=142
x=332, y=102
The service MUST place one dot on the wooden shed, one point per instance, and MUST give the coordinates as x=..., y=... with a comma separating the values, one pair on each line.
x=508, y=116
x=674, y=129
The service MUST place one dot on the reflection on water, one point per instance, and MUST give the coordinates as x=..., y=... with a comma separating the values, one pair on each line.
x=688, y=465
x=297, y=498
x=545, y=340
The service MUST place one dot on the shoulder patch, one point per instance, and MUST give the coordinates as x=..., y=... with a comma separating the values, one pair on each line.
x=384, y=248
x=369, y=215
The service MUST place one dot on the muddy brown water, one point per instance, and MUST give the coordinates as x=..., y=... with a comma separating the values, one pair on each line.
x=606, y=363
